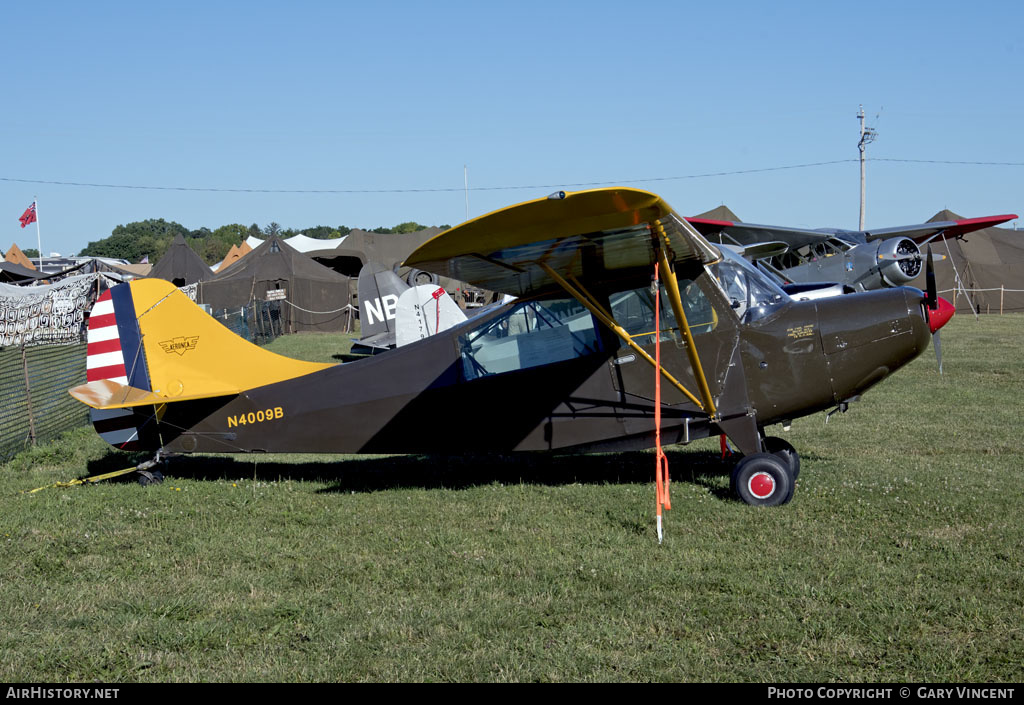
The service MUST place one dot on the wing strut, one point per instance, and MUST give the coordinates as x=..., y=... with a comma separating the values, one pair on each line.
x=585, y=298
x=672, y=284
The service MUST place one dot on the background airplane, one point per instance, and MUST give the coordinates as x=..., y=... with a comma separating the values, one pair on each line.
x=393, y=313
x=860, y=259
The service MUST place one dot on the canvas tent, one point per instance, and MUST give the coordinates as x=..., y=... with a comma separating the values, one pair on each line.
x=360, y=247
x=16, y=256
x=722, y=212
x=309, y=296
x=236, y=253
x=180, y=265
x=13, y=273
x=348, y=254
x=990, y=265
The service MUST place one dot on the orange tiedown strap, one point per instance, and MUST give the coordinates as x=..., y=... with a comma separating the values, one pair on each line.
x=661, y=460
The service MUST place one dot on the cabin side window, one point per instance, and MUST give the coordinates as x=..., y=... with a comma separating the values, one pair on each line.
x=530, y=334
x=751, y=293
x=634, y=311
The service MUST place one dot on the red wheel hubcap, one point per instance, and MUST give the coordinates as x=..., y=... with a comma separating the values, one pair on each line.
x=761, y=485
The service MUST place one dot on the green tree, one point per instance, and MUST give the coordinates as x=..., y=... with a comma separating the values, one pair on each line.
x=326, y=232
x=234, y=233
x=136, y=240
x=408, y=227
x=211, y=250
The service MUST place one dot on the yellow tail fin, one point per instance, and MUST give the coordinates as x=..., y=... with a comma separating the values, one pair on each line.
x=169, y=350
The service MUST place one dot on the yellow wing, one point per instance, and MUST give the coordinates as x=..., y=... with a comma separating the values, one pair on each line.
x=588, y=234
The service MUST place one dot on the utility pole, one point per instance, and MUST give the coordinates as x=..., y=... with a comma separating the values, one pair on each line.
x=867, y=135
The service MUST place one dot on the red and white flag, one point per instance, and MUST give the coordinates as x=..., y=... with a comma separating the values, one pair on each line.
x=29, y=216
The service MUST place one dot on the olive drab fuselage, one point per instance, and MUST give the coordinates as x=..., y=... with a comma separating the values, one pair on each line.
x=802, y=358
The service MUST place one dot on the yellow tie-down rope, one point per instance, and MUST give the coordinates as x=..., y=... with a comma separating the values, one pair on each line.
x=96, y=478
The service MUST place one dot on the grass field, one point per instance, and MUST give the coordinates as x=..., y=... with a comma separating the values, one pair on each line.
x=899, y=559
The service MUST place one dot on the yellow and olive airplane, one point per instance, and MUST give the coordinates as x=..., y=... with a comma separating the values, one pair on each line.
x=569, y=365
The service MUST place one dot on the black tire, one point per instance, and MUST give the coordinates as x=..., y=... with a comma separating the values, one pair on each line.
x=785, y=452
x=416, y=277
x=147, y=478
x=762, y=480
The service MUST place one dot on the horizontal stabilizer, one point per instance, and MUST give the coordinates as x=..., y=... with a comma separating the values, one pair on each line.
x=108, y=394
x=424, y=311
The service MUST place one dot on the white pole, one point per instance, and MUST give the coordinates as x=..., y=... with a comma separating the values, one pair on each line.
x=861, y=146
x=867, y=135
x=465, y=177
x=39, y=238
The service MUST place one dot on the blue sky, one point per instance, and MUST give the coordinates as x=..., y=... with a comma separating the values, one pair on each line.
x=393, y=96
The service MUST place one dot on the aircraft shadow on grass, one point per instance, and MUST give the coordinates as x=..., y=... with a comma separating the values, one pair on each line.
x=373, y=474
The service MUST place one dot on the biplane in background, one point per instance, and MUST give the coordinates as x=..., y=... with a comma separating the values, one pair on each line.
x=859, y=260
x=567, y=366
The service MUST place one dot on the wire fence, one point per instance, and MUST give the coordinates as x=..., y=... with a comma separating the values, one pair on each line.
x=35, y=378
x=34, y=384
x=259, y=322
x=1012, y=305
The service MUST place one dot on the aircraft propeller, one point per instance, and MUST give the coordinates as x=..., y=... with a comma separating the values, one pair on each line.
x=910, y=255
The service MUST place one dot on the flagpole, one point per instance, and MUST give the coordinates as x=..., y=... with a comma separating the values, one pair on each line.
x=39, y=237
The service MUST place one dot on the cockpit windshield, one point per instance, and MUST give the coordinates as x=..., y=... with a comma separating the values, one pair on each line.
x=752, y=293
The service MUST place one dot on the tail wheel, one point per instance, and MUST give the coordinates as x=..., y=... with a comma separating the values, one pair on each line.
x=762, y=480
x=147, y=477
x=785, y=452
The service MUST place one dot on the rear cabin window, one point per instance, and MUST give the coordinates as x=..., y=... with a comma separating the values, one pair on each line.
x=531, y=334
x=634, y=310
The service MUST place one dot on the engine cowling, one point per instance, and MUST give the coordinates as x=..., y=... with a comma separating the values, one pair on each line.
x=899, y=261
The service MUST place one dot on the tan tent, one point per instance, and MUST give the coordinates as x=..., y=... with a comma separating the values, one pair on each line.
x=722, y=212
x=236, y=253
x=16, y=256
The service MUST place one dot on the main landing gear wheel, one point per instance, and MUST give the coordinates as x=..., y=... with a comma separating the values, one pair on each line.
x=785, y=452
x=762, y=480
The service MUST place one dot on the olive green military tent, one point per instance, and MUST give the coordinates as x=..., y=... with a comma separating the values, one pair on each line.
x=311, y=297
x=180, y=265
x=984, y=270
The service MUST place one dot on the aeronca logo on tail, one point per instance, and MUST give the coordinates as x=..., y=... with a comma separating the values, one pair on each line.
x=181, y=345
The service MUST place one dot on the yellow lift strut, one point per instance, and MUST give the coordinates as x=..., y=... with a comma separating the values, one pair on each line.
x=672, y=284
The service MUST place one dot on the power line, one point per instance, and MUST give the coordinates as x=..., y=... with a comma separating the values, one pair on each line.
x=618, y=182
x=945, y=161
x=418, y=190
